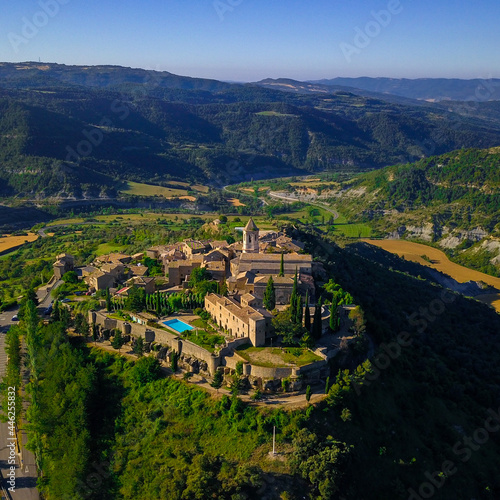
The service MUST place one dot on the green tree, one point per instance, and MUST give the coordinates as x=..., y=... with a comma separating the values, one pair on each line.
x=108, y=300
x=70, y=277
x=270, y=295
x=139, y=347
x=317, y=327
x=357, y=317
x=308, y=393
x=174, y=358
x=223, y=288
x=158, y=304
x=56, y=311
x=30, y=296
x=81, y=324
x=218, y=379
x=327, y=385
x=294, y=299
x=239, y=368
x=300, y=310
x=117, y=341
x=307, y=314
x=199, y=274
x=146, y=370
x=282, y=265
x=333, y=323
x=136, y=300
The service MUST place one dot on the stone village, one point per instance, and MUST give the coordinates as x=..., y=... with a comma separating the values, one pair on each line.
x=245, y=269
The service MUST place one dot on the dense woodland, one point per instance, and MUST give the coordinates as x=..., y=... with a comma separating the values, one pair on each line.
x=69, y=132
x=458, y=190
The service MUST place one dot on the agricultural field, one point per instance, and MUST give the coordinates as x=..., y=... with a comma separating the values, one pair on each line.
x=10, y=241
x=139, y=189
x=432, y=257
x=493, y=299
x=235, y=202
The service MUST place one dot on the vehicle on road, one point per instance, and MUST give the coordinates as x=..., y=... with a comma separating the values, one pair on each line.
x=15, y=317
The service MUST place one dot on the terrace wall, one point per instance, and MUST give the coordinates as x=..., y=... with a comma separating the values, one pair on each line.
x=181, y=346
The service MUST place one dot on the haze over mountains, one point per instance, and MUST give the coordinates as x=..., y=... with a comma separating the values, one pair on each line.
x=61, y=123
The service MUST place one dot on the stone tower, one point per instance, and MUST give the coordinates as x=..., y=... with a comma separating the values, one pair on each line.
x=251, y=238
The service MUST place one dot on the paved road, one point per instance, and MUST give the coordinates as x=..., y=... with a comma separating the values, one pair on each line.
x=26, y=473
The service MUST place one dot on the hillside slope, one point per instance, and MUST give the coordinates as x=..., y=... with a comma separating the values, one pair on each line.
x=59, y=123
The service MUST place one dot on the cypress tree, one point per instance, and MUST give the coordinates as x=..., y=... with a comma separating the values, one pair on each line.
x=294, y=299
x=333, y=315
x=282, y=266
x=317, y=327
x=307, y=314
x=299, y=313
x=270, y=295
x=158, y=304
x=108, y=300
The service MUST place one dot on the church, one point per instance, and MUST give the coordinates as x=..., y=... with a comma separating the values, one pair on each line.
x=241, y=314
x=250, y=271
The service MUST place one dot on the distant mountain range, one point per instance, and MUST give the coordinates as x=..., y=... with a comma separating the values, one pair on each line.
x=430, y=89
x=77, y=131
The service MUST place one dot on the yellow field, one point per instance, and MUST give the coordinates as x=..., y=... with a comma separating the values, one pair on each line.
x=138, y=189
x=196, y=187
x=439, y=261
x=14, y=241
x=235, y=202
x=493, y=299
x=252, y=190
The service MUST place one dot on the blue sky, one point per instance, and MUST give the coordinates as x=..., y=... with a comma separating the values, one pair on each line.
x=247, y=40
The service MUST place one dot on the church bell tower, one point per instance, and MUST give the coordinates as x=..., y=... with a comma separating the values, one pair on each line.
x=251, y=238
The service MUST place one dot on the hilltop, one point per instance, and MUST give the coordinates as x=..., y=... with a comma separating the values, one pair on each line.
x=80, y=131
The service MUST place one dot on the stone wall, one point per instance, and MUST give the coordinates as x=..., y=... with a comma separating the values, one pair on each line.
x=311, y=372
x=227, y=357
x=181, y=346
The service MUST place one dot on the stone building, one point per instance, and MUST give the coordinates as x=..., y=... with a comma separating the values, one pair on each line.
x=250, y=238
x=63, y=264
x=238, y=319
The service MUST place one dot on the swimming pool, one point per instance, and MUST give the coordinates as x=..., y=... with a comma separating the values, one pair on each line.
x=178, y=325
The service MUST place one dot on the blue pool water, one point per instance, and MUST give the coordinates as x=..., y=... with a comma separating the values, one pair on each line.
x=178, y=325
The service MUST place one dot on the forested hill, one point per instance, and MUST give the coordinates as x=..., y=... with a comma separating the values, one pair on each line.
x=29, y=74
x=78, y=131
x=461, y=188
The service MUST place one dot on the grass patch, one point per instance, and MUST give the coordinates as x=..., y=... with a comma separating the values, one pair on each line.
x=273, y=113
x=277, y=356
x=139, y=189
x=204, y=339
x=354, y=230
x=106, y=248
